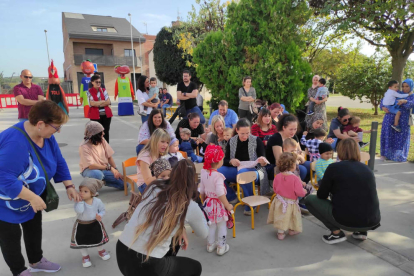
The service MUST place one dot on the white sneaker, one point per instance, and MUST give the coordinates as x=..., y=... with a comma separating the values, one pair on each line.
x=86, y=261
x=211, y=248
x=247, y=213
x=223, y=250
x=104, y=255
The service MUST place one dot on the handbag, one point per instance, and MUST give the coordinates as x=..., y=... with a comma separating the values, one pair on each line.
x=51, y=198
x=411, y=119
x=133, y=203
x=252, y=107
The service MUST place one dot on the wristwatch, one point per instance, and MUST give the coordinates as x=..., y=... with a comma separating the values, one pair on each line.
x=70, y=186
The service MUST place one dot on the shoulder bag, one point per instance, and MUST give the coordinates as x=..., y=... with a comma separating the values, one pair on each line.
x=252, y=106
x=51, y=198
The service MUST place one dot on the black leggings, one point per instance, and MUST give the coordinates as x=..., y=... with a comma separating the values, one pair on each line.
x=131, y=263
x=106, y=123
x=245, y=114
x=10, y=243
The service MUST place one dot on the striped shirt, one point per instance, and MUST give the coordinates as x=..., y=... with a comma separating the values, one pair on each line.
x=320, y=167
x=102, y=109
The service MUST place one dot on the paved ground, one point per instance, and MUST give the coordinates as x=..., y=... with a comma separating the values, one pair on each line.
x=388, y=251
x=337, y=101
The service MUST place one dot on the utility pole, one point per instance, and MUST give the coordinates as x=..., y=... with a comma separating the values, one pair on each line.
x=47, y=48
x=133, y=54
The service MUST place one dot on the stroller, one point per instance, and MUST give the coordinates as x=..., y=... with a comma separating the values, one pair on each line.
x=259, y=105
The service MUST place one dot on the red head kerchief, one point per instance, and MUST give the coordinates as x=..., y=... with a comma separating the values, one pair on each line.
x=213, y=154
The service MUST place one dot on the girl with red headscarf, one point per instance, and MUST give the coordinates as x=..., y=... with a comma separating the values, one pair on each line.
x=213, y=193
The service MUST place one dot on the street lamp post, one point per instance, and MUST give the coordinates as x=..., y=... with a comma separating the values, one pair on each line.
x=47, y=47
x=133, y=53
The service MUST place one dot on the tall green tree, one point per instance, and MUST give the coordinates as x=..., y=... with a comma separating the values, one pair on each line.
x=382, y=23
x=260, y=39
x=365, y=80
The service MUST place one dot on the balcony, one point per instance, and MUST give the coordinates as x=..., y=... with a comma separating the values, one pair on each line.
x=107, y=60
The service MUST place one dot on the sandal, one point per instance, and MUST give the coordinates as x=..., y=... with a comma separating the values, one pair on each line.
x=292, y=233
x=281, y=236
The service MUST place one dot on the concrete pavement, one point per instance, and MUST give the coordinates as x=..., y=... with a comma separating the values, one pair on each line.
x=388, y=251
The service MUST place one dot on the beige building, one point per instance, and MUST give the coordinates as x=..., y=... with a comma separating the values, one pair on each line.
x=106, y=41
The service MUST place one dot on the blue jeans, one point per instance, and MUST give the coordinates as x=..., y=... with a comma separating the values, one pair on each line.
x=335, y=141
x=141, y=188
x=197, y=110
x=139, y=148
x=164, y=109
x=304, y=170
x=106, y=176
x=144, y=118
x=230, y=173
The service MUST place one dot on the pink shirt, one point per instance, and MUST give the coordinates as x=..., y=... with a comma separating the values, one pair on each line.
x=94, y=154
x=31, y=93
x=143, y=156
x=212, y=185
x=289, y=186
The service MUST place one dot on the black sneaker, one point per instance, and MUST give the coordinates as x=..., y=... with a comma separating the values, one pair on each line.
x=360, y=235
x=362, y=144
x=332, y=238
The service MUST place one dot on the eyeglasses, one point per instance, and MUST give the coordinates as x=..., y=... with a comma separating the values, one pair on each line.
x=97, y=82
x=56, y=128
x=28, y=77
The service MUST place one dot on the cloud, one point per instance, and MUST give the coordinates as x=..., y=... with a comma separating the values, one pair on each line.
x=158, y=16
x=39, y=11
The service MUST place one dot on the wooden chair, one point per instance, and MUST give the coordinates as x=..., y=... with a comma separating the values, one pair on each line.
x=251, y=201
x=198, y=167
x=132, y=178
x=313, y=176
x=365, y=157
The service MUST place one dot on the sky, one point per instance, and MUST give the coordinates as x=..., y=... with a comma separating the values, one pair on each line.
x=22, y=23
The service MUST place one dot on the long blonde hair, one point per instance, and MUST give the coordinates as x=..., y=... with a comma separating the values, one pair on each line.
x=169, y=208
x=152, y=145
x=215, y=119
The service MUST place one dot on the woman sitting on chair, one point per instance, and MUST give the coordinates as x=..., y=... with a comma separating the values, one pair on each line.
x=156, y=147
x=96, y=159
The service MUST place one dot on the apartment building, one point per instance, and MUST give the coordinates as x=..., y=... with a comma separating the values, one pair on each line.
x=106, y=41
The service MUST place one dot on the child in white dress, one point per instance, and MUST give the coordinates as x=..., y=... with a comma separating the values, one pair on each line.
x=89, y=230
x=213, y=194
x=173, y=155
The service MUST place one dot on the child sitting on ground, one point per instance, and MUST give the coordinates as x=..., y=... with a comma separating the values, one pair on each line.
x=313, y=144
x=390, y=101
x=213, y=194
x=284, y=212
x=321, y=94
x=161, y=168
x=174, y=155
x=89, y=230
x=188, y=145
x=322, y=163
x=152, y=95
x=353, y=130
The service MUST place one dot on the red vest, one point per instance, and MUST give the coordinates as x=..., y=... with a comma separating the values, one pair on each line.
x=94, y=110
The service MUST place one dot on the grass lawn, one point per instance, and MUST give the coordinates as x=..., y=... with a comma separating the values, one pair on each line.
x=367, y=117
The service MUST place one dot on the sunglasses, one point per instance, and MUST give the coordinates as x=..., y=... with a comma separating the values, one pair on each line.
x=97, y=82
x=56, y=128
x=345, y=120
x=28, y=77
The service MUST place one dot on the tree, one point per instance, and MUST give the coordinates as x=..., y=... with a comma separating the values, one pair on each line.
x=367, y=79
x=382, y=23
x=168, y=58
x=260, y=39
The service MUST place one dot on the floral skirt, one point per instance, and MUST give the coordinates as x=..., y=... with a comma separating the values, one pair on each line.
x=86, y=234
x=215, y=210
x=285, y=216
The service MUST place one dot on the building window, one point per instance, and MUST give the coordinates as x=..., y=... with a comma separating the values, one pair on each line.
x=128, y=53
x=103, y=29
x=93, y=51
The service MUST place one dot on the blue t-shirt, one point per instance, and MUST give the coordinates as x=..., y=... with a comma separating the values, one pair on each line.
x=19, y=167
x=230, y=119
x=167, y=96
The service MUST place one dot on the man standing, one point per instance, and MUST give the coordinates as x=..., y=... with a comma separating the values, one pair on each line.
x=187, y=93
x=230, y=117
x=27, y=94
x=166, y=101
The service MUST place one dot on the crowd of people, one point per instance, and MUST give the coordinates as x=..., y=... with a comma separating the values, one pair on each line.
x=172, y=193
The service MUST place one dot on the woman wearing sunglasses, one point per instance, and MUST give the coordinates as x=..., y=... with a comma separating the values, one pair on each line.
x=337, y=124
x=99, y=103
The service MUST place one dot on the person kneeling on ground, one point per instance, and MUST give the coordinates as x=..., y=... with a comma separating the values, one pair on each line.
x=354, y=205
x=96, y=159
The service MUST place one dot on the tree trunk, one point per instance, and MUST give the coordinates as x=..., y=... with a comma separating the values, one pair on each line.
x=398, y=64
x=375, y=109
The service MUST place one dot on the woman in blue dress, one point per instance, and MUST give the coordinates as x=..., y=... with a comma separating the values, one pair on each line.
x=395, y=145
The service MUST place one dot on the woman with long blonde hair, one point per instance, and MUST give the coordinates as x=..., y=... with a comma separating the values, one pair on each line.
x=144, y=246
x=156, y=147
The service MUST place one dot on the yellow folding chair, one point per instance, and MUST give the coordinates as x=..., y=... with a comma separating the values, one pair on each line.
x=251, y=201
x=313, y=176
x=365, y=157
x=132, y=178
